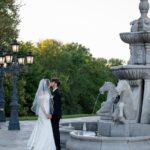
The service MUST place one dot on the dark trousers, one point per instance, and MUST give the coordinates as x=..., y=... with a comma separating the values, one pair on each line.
x=55, y=127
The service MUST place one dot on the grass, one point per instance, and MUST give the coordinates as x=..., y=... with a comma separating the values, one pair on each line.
x=77, y=115
x=64, y=116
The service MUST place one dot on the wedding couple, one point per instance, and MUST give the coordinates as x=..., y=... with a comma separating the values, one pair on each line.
x=47, y=105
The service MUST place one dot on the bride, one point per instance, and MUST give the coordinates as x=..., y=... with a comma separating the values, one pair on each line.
x=42, y=135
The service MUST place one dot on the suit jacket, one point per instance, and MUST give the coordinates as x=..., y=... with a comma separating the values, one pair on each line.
x=57, y=105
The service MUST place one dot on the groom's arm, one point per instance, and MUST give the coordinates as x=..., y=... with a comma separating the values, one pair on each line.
x=57, y=105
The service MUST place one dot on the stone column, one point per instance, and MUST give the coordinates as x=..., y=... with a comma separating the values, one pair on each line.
x=136, y=86
x=137, y=54
x=147, y=49
x=145, y=117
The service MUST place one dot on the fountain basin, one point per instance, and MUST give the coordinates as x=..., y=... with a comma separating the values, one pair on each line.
x=134, y=136
x=146, y=37
x=90, y=126
x=66, y=129
x=131, y=72
x=135, y=37
x=131, y=37
x=65, y=135
x=79, y=142
x=110, y=129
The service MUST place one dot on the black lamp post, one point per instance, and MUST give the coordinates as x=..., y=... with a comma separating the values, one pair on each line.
x=13, y=63
x=2, y=102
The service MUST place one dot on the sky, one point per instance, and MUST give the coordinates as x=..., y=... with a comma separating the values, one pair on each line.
x=96, y=24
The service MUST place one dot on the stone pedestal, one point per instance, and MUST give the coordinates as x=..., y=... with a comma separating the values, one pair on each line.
x=147, y=49
x=137, y=54
x=105, y=116
x=65, y=135
x=104, y=128
x=145, y=117
x=136, y=86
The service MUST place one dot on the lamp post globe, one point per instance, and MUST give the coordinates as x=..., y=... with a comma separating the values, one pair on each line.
x=15, y=46
x=29, y=58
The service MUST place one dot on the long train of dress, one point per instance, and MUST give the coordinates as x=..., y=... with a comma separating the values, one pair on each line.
x=42, y=134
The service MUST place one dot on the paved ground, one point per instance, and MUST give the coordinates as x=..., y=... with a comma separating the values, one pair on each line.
x=17, y=140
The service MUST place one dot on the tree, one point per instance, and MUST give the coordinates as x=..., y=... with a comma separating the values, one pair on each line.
x=115, y=62
x=81, y=75
x=9, y=20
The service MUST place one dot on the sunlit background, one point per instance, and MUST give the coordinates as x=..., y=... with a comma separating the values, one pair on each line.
x=95, y=24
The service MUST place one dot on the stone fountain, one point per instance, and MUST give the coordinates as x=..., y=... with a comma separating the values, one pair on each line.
x=137, y=72
x=125, y=115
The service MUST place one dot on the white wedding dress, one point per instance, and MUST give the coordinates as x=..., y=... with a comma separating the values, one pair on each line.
x=42, y=135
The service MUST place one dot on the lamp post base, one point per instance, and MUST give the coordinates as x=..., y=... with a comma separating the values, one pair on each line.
x=2, y=116
x=14, y=120
x=14, y=126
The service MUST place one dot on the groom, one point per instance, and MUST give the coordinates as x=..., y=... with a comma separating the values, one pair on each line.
x=56, y=112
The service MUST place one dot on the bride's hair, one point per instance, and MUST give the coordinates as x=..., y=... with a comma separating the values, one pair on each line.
x=43, y=85
x=42, y=88
x=47, y=82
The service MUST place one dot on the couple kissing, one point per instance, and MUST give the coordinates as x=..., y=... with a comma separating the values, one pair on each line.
x=47, y=106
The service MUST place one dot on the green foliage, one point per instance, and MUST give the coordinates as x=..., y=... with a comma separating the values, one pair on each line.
x=81, y=76
x=7, y=92
x=22, y=99
x=9, y=19
x=115, y=62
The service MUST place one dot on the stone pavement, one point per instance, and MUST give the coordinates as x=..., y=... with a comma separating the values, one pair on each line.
x=17, y=140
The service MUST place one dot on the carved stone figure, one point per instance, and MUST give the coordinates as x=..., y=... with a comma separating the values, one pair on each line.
x=144, y=24
x=126, y=108
x=134, y=26
x=108, y=105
